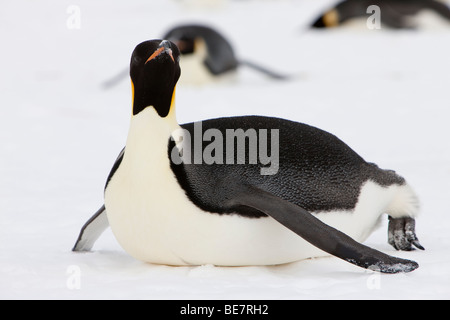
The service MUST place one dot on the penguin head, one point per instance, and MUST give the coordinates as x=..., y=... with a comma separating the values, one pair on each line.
x=210, y=48
x=154, y=72
x=187, y=44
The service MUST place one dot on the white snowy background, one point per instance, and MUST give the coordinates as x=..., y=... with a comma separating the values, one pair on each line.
x=384, y=92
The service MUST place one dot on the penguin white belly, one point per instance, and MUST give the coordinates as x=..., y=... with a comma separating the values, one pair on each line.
x=154, y=221
x=164, y=227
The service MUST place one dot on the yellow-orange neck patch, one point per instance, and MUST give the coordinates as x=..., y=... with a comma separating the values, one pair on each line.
x=331, y=18
x=132, y=96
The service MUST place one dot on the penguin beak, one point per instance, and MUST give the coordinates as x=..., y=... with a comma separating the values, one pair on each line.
x=164, y=47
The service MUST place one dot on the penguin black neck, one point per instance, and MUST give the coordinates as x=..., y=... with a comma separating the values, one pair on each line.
x=154, y=94
x=162, y=109
x=154, y=72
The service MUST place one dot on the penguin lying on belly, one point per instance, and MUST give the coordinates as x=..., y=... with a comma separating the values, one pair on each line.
x=207, y=56
x=394, y=13
x=170, y=200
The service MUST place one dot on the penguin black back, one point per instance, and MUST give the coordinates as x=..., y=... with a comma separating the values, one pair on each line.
x=317, y=171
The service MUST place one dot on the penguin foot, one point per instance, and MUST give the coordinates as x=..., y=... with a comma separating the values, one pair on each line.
x=402, y=234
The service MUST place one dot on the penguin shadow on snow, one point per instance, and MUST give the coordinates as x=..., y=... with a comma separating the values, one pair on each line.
x=394, y=14
x=207, y=56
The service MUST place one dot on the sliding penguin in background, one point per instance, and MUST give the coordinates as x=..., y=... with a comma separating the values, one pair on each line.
x=323, y=198
x=206, y=57
x=396, y=14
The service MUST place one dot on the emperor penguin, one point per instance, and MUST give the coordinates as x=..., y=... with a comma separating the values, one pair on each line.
x=395, y=14
x=170, y=199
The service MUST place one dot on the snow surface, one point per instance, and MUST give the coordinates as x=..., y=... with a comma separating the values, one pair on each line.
x=383, y=92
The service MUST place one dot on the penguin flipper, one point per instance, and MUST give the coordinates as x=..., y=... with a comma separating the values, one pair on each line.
x=92, y=230
x=440, y=8
x=113, y=81
x=264, y=70
x=98, y=223
x=320, y=234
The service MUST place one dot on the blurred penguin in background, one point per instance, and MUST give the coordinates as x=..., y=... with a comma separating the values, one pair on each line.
x=396, y=14
x=206, y=57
